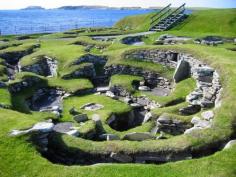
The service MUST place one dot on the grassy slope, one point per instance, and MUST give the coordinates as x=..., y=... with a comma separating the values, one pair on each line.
x=30, y=163
x=209, y=22
x=57, y=49
x=220, y=21
x=135, y=23
x=5, y=97
x=125, y=81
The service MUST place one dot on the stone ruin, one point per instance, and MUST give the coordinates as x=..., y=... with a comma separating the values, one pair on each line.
x=45, y=66
x=205, y=96
x=133, y=40
x=47, y=99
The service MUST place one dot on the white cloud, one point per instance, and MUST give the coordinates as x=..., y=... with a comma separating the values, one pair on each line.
x=16, y=4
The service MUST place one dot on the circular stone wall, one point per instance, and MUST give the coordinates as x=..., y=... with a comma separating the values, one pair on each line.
x=169, y=125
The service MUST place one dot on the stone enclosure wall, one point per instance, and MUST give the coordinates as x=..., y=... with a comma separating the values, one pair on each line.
x=150, y=77
x=167, y=58
x=87, y=71
x=46, y=66
x=88, y=58
x=208, y=87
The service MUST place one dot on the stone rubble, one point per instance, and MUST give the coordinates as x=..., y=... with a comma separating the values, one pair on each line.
x=43, y=127
x=203, y=122
x=80, y=118
x=46, y=127
x=132, y=40
x=209, y=40
x=92, y=107
x=144, y=88
x=207, y=115
x=111, y=94
x=167, y=39
x=171, y=125
x=147, y=117
x=66, y=128
x=46, y=99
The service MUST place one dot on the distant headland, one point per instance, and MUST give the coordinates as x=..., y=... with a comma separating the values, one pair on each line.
x=33, y=8
x=86, y=7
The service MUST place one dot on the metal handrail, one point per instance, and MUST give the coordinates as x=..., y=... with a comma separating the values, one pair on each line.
x=152, y=24
x=160, y=11
x=160, y=16
x=176, y=11
x=168, y=26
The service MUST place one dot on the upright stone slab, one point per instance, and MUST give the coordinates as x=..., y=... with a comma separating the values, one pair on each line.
x=182, y=71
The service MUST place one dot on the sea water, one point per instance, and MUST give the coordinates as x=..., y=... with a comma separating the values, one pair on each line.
x=44, y=21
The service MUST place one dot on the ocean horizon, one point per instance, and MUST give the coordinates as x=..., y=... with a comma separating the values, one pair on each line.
x=15, y=22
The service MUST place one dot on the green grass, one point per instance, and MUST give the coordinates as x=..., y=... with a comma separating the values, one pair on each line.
x=18, y=100
x=21, y=48
x=219, y=21
x=74, y=68
x=71, y=85
x=200, y=23
x=87, y=128
x=178, y=95
x=218, y=58
x=85, y=40
x=135, y=23
x=125, y=81
x=217, y=165
x=109, y=104
x=56, y=49
x=118, y=57
x=19, y=157
x=5, y=97
x=3, y=73
x=72, y=34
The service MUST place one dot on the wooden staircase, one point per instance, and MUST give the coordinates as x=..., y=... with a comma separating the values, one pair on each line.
x=167, y=18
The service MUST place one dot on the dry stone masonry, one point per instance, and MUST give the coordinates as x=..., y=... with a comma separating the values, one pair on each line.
x=46, y=66
x=208, y=80
x=151, y=78
x=89, y=58
x=87, y=71
x=205, y=95
x=167, y=58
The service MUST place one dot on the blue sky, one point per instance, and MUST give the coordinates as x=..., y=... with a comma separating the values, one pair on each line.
x=17, y=4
